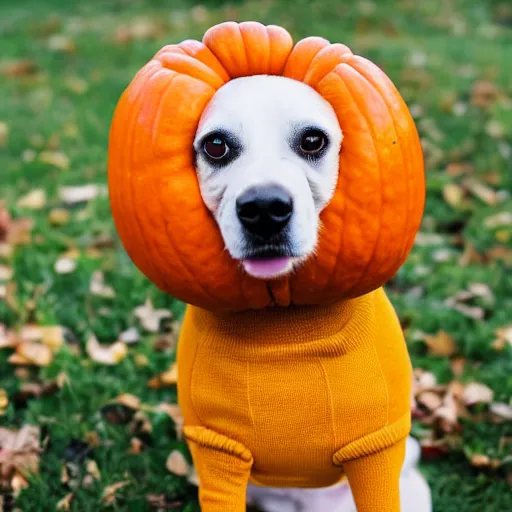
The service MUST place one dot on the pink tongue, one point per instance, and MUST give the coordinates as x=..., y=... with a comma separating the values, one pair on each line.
x=266, y=267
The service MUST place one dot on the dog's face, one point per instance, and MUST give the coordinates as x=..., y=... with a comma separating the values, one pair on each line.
x=267, y=152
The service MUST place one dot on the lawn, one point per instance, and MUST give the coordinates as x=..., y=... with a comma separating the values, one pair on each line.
x=101, y=412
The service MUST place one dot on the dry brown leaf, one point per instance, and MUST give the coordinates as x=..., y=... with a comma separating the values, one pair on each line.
x=177, y=464
x=4, y=131
x=479, y=460
x=4, y=401
x=131, y=401
x=136, y=446
x=80, y=193
x=130, y=336
x=92, y=468
x=34, y=200
x=18, y=483
x=501, y=412
x=65, y=265
x=453, y=194
x=477, y=393
x=105, y=354
x=6, y=273
x=501, y=219
x=441, y=344
x=61, y=43
x=32, y=353
x=17, y=68
x=503, y=337
x=109, y=493
x=19, y=454
x=98, y=287
x=481, y=191
x=59, y=216
x=167, y=378
x=484, y=93
x=56, y=158
x=175, y=413
x=65, y=503
x=430, y=400
x=150, y=317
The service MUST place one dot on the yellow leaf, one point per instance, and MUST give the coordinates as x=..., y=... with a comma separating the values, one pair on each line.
x=453, y=194
x=65, y=503
x=442, y=344
x=56, y=158
x=34, y=353
x=177, y=464
x=34, y=200
x=105, y=354
x=109, y=494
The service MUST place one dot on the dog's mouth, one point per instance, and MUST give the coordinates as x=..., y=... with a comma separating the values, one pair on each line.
x=268, y=263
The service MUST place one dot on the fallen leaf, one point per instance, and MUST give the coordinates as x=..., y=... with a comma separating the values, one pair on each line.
x=175, y=413
x=130, y=336
x=109, y=493
x=495, y=129
x=441, y=344
x=92, y=468
x=98, y=287
x=167, y=378
x=162, y=502
x=430, y=400
x=481, y=191
x=498, y=220
x=19, y=455
x=64, y=266
x=193, y=478
x=141, y=360
x=479, y=460
x=80, y=194
x=6, y=273
x=4, y=131
x=483, y=94
x=4, y=401
x=65, y=503
x=136, y=446
x=78, y=86
x=105, y=354
x=476, y=393
x=59, y=216
x=18, y=483
x=33, y=353
x=131, y=401
x=503, y=337
x=149, y=317
x=34, y=200
x=61, y=43
x=453, y=194
x=56, y=158
x=501, y=412
x=428, y=239
x=177, y=464
x=17, y=68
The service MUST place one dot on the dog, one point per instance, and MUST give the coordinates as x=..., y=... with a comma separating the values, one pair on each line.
x=267, y=154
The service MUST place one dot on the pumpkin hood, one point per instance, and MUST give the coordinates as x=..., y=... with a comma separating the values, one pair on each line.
x=369, y=226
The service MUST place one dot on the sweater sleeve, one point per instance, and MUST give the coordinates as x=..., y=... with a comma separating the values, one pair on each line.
x=223, y=467
x=374, y=479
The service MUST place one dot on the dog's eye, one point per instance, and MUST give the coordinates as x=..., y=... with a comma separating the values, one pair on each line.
x=313, y=141
x=215, y=147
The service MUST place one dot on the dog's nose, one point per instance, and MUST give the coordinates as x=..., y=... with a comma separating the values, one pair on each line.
x=264, y=211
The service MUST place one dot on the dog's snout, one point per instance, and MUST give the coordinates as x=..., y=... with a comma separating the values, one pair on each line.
x=264, y=211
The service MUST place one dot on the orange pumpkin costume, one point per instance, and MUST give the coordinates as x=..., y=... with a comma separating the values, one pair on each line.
x=302, y=394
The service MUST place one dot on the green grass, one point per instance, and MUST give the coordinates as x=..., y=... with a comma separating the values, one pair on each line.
x=434, y=51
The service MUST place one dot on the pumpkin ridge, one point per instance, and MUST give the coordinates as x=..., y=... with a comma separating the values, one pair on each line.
x=170, y=238
x=369, y=77
x=130, y=156
x=381, y=203
x=132, y=193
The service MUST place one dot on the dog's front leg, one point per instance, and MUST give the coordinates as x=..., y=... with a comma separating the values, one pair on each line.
x=374, y=479
x=223, y=467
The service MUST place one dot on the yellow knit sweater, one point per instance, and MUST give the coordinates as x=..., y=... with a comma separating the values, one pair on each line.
x=296, y=397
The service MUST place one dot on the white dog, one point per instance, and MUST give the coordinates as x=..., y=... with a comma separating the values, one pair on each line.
x=267, y=151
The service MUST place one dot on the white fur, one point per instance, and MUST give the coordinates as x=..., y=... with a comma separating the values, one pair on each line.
x=263, y=112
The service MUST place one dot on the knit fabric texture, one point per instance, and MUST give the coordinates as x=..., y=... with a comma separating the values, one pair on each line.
x=296, y=397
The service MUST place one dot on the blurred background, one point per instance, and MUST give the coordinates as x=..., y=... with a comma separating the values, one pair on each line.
x=88, y=419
